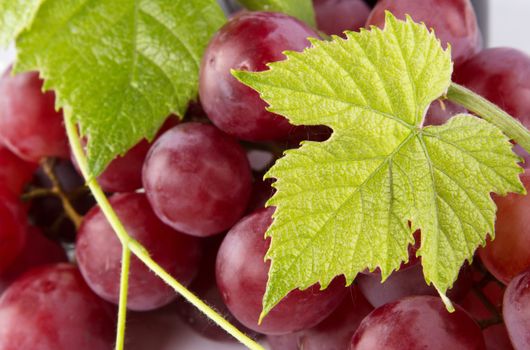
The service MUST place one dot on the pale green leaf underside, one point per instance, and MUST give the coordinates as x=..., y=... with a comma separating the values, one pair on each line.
x=119, y=66
x=345, y=204
x=301, y=9
x=15, y=16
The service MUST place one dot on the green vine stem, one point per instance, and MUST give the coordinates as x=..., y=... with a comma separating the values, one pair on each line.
x=124, y=289
x=138, y=250
x=490, y=112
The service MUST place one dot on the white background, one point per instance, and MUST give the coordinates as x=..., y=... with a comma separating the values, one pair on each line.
x=509, y=25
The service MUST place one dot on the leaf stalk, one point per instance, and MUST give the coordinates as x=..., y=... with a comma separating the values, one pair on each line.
x=491, y=113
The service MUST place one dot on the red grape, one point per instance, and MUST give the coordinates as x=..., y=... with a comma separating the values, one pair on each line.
x=509, y=254
x=407, y=281
x=475, y=305
x=336, y=16
x=37, y=251
x=162, y=329
x=516, y=310
x=336, y=331
x=415, y=323
x=52, y=308
x=454, y=22
x=154, y=330
x=98, y=253
x=497, y=338
x=13, y=228
x=287, y=341
x=204, y=287
x=124, y=173
x=15, y=173
x=248, y=41
x=197, y=179
x=501, y=75
x=29, y=124
x=242, y=276
x=439, y=114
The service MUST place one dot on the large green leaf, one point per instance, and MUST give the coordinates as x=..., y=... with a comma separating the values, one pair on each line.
x=301, y=9
x=120, y=67
x=15, y=16
x=353, y=201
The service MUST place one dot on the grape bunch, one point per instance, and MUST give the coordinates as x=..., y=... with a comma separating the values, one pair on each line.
x=195, y=199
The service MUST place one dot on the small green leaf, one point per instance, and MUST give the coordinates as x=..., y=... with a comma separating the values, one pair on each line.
x=120, y=67
x=301, y=9
x=345, y=204
x=15, y=16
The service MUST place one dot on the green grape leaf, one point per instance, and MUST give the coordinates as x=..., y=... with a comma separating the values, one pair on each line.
x=354, y=201
x=301, y=9
x=119, y=67
x=15, y=16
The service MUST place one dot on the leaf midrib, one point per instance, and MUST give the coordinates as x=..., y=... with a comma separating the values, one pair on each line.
x=406, y=140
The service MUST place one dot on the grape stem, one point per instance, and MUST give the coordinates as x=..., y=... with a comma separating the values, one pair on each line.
x=37, y=193
x=491, y=113
x=128, y=243
x=56, y=190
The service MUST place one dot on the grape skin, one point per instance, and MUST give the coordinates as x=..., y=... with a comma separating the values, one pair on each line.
x=284, y=342
x=13, y=228
x=508, y=254
x=497, y=338
x=204, y=287
x=124, y=173
x=420, y=322
x=336, y=331
x=516, y=310
x=336, y=16
x=439, y=114
x=241, y=275
x=29, y=125
x=37, y=251
x=98, y=254
x=51, y=308
x=472, y=303
x=453, y=21
x=407, y=281
x=197, y=179
x=248, y=41
x=501, y=75
x=15, y=173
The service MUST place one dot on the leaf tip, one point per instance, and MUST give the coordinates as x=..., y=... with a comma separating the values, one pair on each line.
x=447, y=302
x=261, y=317
x=389, y=16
